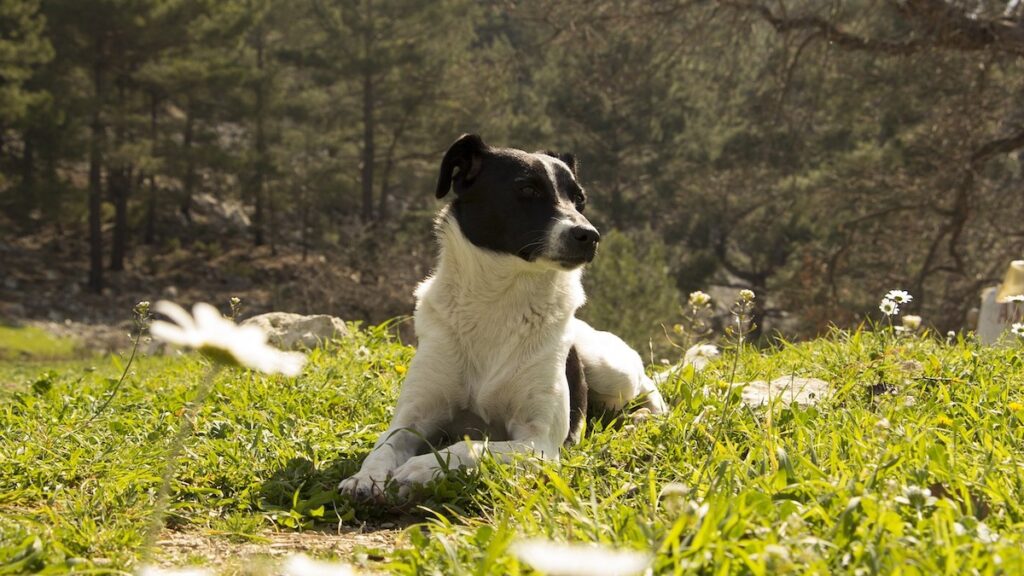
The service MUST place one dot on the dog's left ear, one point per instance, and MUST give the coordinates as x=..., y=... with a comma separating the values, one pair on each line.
x=464, y=155
x=568, y=158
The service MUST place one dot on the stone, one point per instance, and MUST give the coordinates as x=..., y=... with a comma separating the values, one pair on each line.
x=996, y=318
x=290, y=331
x=785, y=390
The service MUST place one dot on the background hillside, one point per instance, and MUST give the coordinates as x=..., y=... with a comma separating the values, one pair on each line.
x=817, y=152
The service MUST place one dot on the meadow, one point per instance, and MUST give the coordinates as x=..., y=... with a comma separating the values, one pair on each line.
x=912, y=465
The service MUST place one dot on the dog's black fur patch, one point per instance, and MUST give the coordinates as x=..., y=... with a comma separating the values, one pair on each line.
x=577, y=397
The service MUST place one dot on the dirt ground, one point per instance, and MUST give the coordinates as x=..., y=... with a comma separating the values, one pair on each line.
x=362, y=547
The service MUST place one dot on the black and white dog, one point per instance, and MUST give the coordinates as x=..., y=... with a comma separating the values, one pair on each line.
x=501, y=358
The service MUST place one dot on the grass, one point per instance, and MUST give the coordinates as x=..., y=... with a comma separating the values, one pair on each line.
x=713, y=488
x=31, y=343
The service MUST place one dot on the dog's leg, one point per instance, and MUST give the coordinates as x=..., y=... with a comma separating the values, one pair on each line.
x=614, y=371
x=531, y=440
x=427, y=402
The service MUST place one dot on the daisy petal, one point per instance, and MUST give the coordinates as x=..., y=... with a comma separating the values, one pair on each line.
x=175, y=313
x=171, y=334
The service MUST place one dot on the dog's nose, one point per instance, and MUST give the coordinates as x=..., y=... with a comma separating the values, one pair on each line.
x=587, y=235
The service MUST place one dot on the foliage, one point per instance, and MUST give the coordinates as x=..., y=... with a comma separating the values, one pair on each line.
x=837, y=487
x=629, y=290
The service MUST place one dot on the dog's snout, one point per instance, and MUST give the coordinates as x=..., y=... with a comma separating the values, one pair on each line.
x=586, y=235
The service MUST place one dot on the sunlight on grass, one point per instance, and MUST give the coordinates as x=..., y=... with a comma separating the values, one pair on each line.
x=913, y=463
x=31, y=343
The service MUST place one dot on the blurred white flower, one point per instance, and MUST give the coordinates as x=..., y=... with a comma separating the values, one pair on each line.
x=916, y=497
x=1018, y=329
x=579, y=559
x=700, y=355
x=1017, y=298
x=899, y=296
x=222, y=340
x=746, y=296
x=302, y=565
x=986, y=534
x=888, y=307
x=911, y=322
x=699, y=299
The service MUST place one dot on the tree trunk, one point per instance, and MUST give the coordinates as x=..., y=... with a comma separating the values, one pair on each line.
x=119, y=181
x=119, y=184
x=261, y=146
x=96, y=130
x=188, y=182
x=368, y=124
x=149, y=235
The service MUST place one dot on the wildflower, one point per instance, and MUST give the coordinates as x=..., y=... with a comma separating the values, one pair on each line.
x=1015, y=406
x=1018, y=329
x=699, y=299
x=943, y=420
x=678, y=329
x=899, y=296
x=889, y=307
x=911, y=322
x=882, y=424
x=579, y=559
x=917, y=497
x=700, y=355
x=986, y=534
x=222, y=340
x=401, y=369
x=746, y=296
x=302, y=565
x=1017, y=298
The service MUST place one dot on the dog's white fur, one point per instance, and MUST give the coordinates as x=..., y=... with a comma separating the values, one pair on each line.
x=494, y=334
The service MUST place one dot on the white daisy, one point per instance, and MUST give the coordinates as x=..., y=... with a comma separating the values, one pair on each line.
x=700, y=355
x=184, y=571
x=579, y=559
x=222, y=340
x=899, y=296
x=1017, y=298
x=302, y=565
x=1018, y=329
x=911, y=322
x=889, y=307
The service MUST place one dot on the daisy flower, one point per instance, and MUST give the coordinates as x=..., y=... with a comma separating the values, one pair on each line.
x=223, y=341
x=899, y=296
x=911, y=322
x=1018, y=329
x=700, y=356
x=1017, y=298
x=889, y=307
x=302, y=565
x=579, y=559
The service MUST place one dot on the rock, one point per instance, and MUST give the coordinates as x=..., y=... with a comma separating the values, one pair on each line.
x=996, y=318
x=785, y=390
x=290, y=331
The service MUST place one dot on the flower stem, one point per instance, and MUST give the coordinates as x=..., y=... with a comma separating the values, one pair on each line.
x=156, y=520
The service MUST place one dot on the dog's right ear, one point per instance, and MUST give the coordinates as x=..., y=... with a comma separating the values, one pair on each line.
x=464, y=155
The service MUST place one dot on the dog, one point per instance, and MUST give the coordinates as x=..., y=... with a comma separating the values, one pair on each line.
x=503, y=367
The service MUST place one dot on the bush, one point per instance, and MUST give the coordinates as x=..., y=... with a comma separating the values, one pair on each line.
x=629, y=289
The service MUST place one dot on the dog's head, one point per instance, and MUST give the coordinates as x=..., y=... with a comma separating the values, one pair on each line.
x=515, y=202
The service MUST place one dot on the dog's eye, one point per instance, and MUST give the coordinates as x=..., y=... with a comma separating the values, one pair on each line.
x=530, y=192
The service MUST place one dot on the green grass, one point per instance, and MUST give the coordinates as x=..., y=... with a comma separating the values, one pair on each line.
x=31, y=343
x=713, y=488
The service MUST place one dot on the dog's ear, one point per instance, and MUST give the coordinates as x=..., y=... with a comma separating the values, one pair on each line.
x=464, y=155
x=568, y=158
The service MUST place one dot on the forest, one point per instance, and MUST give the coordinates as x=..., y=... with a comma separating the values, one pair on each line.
x=817, y=152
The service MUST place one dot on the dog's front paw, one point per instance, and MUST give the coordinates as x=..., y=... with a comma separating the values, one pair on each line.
x=418, y=470
x=362, y=487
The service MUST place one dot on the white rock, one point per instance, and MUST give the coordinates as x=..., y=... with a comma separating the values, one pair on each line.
x=290, y=331
x=785, y=390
